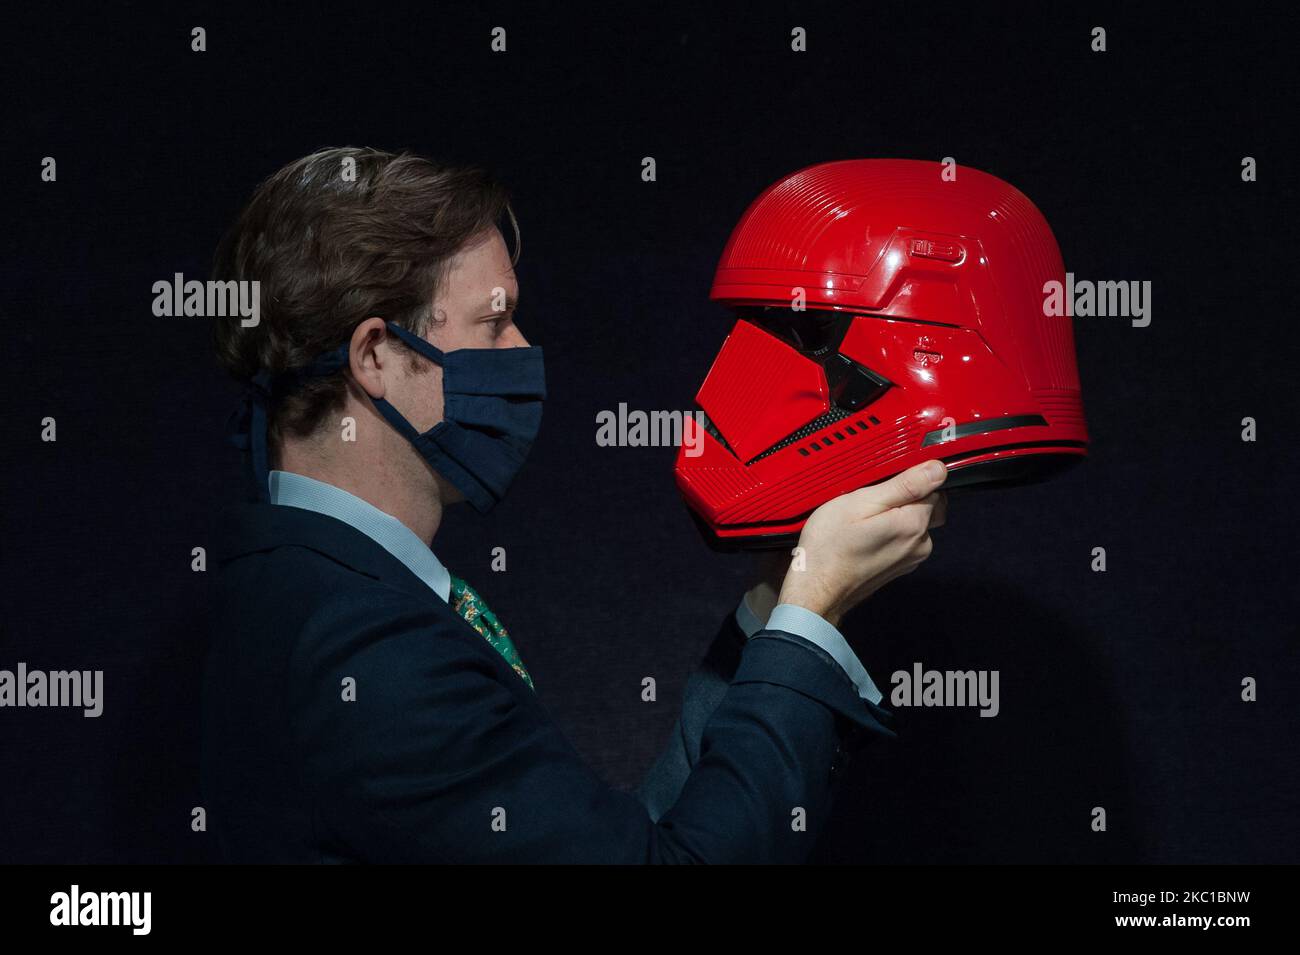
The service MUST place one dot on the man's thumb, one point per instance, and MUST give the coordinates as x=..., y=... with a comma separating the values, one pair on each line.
x=906, y=488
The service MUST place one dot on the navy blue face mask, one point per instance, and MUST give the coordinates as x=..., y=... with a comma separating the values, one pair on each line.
x=492, y=409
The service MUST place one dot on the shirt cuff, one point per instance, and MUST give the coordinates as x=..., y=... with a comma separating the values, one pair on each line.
x=804, y=623
x=746, y=619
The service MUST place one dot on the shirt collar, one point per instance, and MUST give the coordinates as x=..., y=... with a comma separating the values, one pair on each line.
x=297, y=490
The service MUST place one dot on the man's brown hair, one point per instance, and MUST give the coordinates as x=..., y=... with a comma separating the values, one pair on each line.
x=335, y=238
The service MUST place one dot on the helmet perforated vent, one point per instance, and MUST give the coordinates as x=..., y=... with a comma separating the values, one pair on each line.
x=812, y=427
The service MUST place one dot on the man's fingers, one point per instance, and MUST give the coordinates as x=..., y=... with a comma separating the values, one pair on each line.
x=918, y=518
x=914, y=484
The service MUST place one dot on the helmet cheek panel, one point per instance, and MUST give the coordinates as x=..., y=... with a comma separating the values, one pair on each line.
x=759, y=390
x=936, y=372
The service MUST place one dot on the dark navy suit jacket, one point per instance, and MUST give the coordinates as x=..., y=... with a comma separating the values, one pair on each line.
x=443, y=754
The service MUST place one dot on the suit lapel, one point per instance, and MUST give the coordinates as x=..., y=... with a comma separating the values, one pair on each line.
x=250, y=528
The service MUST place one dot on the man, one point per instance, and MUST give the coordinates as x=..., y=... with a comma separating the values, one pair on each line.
x=361, y=703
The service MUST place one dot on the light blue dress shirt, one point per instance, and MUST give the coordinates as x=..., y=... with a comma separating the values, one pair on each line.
x=296, y=490
x=804, y=623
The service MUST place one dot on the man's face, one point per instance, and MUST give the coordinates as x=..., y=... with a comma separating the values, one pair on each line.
x=476, y=305
x=474, y=308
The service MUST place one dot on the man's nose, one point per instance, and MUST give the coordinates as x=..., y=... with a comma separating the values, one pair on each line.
x=514, y=339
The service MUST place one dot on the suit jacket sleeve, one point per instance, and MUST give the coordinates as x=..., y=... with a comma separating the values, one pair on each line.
x=704, y=690
x=439, y=758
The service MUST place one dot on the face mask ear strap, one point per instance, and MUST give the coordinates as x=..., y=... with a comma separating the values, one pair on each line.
x=417, y=343
x=329, y=363
x=393, y=416
x=248, y=428
x=399, y=423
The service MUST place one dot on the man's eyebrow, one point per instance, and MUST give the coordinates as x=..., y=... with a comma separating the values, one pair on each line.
x=512, y=303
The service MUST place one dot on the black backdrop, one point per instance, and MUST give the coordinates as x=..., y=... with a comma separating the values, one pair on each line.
x=1118, y=689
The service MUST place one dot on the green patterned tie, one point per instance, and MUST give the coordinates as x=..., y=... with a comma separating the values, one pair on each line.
x=465, y=600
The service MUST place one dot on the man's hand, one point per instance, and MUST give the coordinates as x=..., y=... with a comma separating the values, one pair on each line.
x=856, y=543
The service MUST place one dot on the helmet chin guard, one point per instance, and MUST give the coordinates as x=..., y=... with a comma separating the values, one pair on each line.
x=883, y=316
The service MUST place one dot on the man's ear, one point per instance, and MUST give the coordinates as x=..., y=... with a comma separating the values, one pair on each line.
x=370, y=353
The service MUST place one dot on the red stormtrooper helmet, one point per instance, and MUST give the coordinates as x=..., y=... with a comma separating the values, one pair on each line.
x=886, y=314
